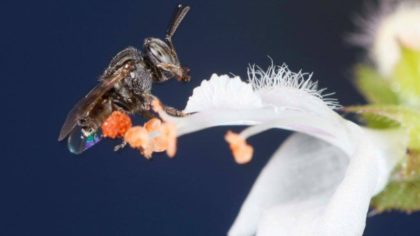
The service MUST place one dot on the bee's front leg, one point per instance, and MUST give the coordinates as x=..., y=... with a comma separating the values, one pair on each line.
x=148, y=114
x=170, y=110
x=173, y=111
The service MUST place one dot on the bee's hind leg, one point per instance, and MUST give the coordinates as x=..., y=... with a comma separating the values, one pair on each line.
x=120, y=146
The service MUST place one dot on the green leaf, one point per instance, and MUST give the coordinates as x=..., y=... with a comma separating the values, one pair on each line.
x=403, y=87
x=378, y=122
x=403, y=192
x=399, y=195
x=374, y=87
x=405, y=117
x=410, y=167
x=406, y=77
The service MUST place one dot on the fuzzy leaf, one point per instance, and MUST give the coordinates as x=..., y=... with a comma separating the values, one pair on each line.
x=374, y=87
x=411, y=165
x=399, y=195
x=406, y=77
x=403, y=192
x=378, y=122
x=406, y=117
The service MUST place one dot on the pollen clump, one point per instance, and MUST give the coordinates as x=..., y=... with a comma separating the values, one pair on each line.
x=155, y=128
x=138, y=137
x=116, y=125
x=163, y=136
x=154, y=136
x=242, y=152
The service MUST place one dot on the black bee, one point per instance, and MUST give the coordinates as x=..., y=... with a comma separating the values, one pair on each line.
x=126, y=85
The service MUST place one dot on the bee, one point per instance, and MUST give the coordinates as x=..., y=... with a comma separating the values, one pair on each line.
x=126, y=86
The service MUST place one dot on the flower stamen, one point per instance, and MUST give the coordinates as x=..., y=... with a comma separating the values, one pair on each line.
x=242, y=152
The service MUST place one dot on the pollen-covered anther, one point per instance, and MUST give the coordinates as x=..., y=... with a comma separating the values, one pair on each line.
x=154, y=136
x=138, y=137
x=155, y=129
x=163, y=136
x=116, y=125
x=169, y=132
x=242, y=152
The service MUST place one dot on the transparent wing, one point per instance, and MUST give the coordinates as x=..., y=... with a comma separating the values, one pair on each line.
x=87, y=103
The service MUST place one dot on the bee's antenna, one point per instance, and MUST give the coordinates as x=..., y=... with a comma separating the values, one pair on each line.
x=179, y=14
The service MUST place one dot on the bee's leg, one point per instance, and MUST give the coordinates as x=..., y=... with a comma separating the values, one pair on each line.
x=148, y=114
x=170, y=110
x=173, y=111
x=120, y=146
x=87, y=125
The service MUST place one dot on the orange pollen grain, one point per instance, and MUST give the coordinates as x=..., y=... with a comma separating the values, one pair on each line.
x=155, y=129
x=154, y=136
x=153, y=125
x=116, y=125
x=137, y=137
x=242, y=152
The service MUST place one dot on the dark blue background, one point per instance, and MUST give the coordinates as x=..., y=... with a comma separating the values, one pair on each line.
x=53, y=51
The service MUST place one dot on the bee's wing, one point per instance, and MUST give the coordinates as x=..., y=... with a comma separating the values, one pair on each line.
x=87, y=103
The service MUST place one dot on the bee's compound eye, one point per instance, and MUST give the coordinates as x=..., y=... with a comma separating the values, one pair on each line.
x=156, y=50
x=159, y=51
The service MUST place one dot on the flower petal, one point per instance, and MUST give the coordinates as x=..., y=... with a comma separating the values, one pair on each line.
x=290, y=175
x=217, y=93
x=319, y=185
x=310, y=187
x=291, y=108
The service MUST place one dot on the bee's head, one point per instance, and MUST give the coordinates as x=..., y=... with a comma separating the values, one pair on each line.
x=163, y=56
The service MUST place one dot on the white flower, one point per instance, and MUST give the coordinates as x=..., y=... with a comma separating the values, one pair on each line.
x=321, y=179
x=394, y=24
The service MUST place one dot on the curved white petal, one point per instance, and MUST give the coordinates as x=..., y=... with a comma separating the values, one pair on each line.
x=283, y=107
x=318, y=185
x=288, y=177
x=311, y=187
x=217, y=93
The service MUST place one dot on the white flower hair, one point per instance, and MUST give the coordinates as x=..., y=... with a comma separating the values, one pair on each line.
x=281, y=76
